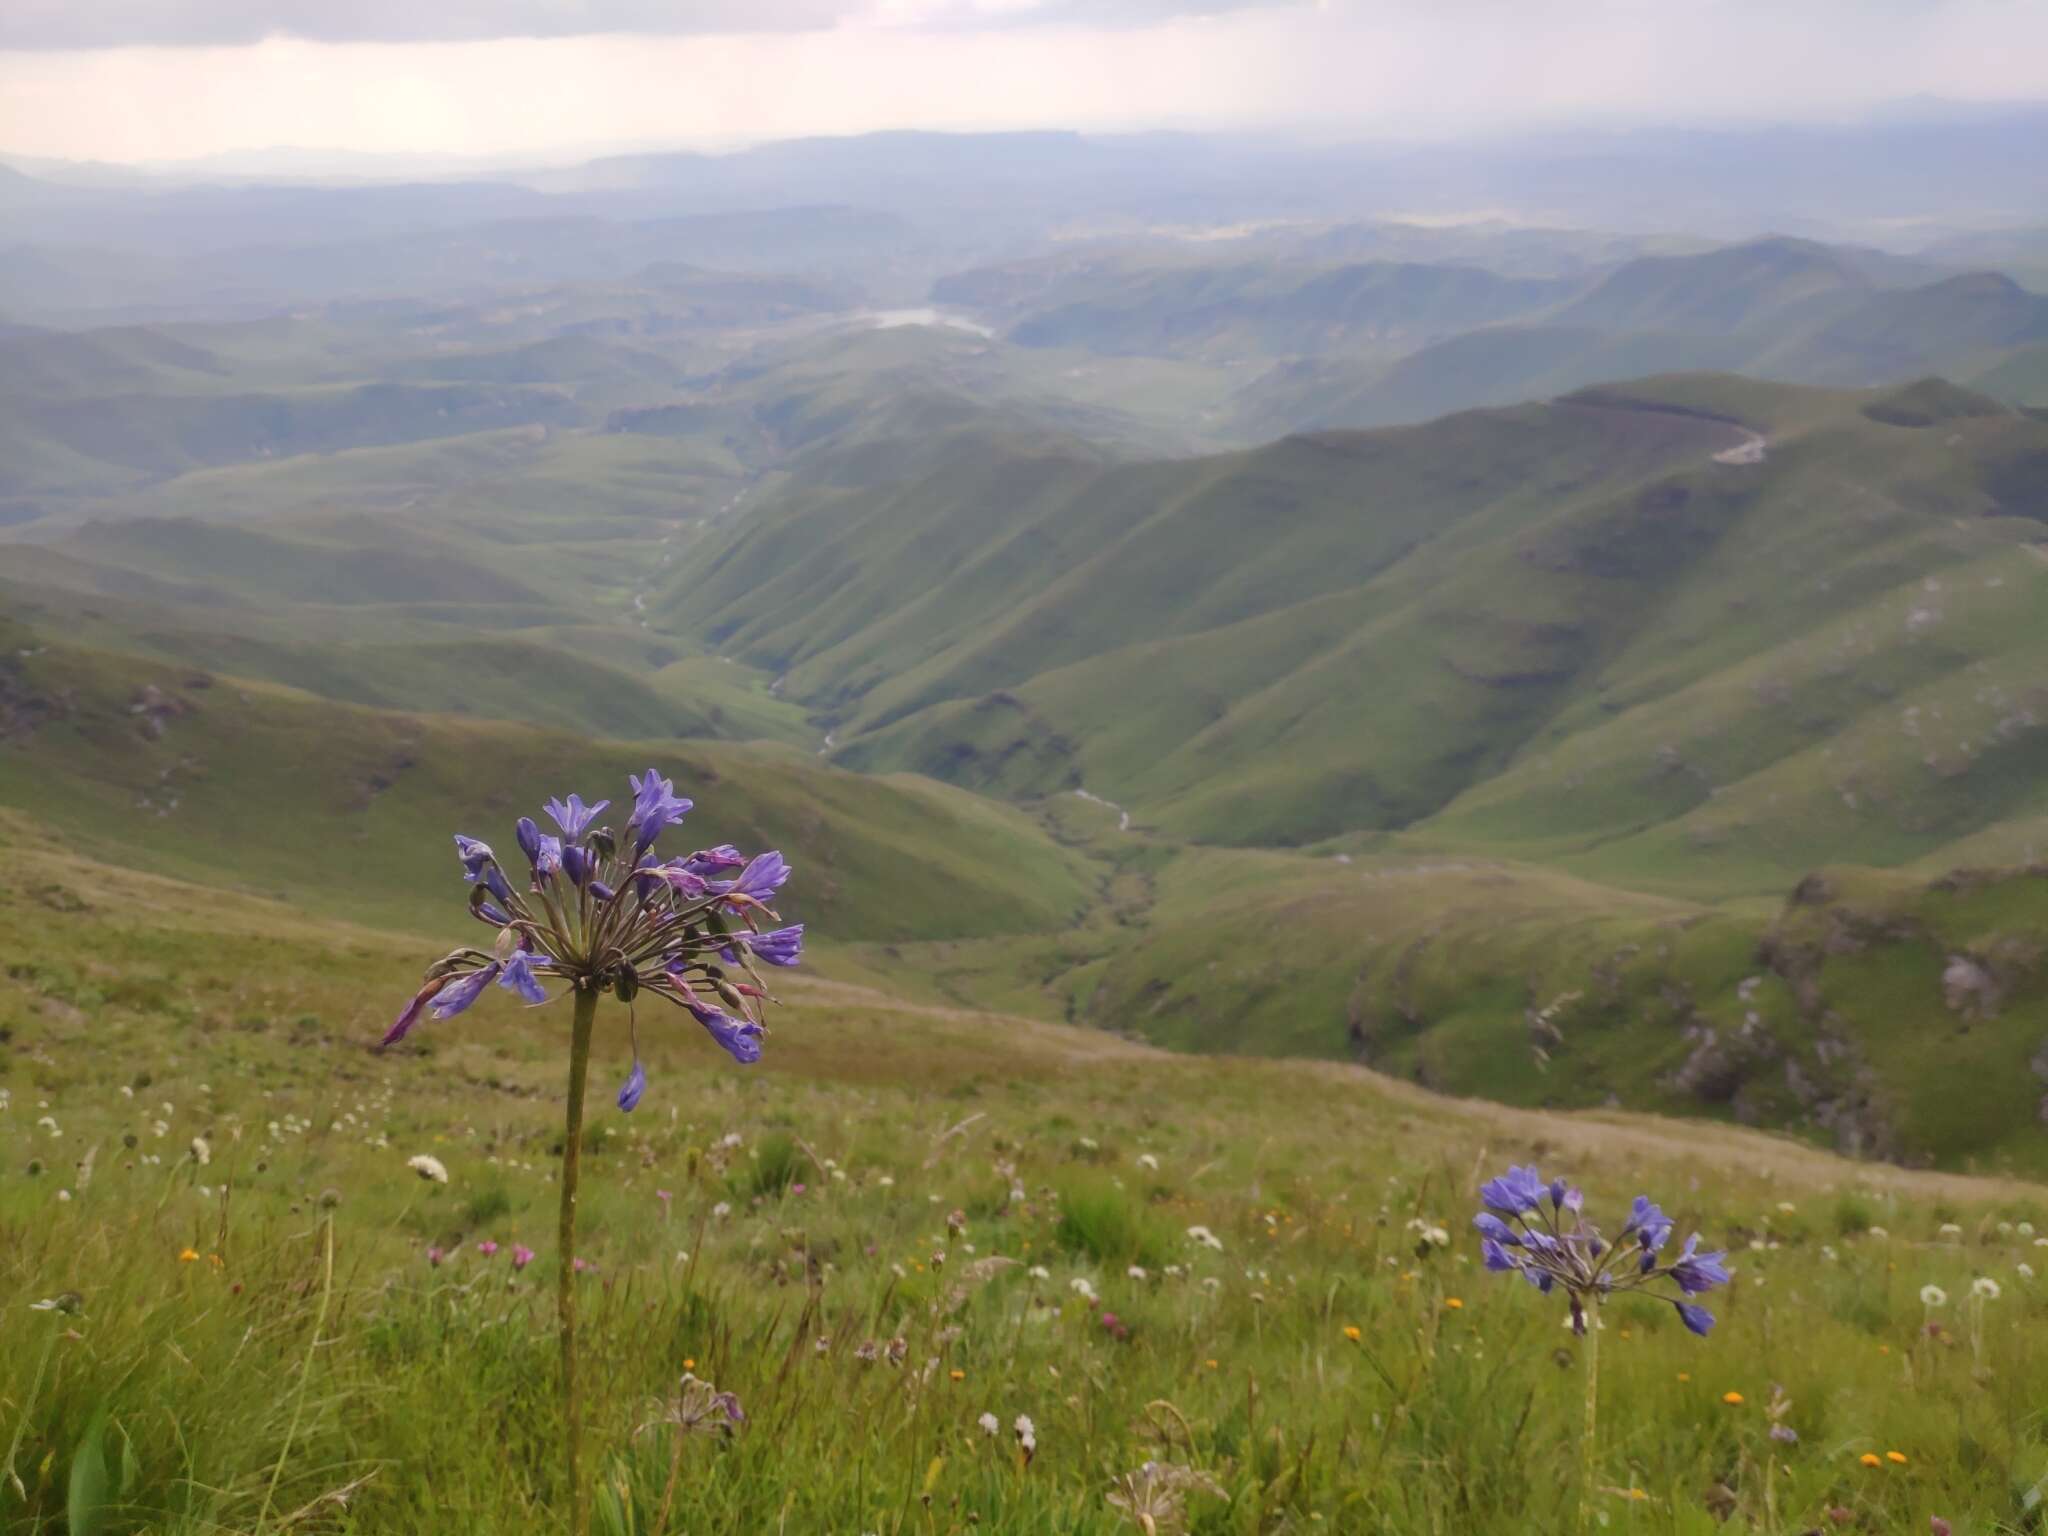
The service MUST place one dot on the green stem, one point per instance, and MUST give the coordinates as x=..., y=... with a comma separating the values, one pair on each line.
x=1588, y=1432
x=565, y=1293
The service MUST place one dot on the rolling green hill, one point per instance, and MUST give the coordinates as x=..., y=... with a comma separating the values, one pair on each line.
x=1779, y=309
x=350, y=811
x=1402, y=629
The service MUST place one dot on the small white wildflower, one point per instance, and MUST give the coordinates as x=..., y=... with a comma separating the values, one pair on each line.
x=990, y=1425
x=428, y=1167
x=1137, y=1272
x=1984, y=1288
x=1090, y=1144
x=1081, y=1286
x=49, y=1123
x=1206, y=1238
x=1933, y=1296
x=127, y=1092
x=1039, y=1272
x=1879, y=1232
x=64, y=1194
x=202, y=1154
x=1027, y=1432
x=2025, y=1271
x=1786, y=1208
x=1950, y=1229
x=2025, y=1229
x=1147, y=1160
x=2005, y=1229
x=1827, y=1252
x=886, y=1182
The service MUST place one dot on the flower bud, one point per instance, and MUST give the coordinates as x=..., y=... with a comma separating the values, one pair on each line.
x=730, y=995
x=529, y=839
x=445, y=965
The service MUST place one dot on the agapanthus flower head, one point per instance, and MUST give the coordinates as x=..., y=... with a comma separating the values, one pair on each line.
x=1540, y=1232
x=597, y=917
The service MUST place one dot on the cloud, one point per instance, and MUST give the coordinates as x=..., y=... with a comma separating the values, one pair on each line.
x=32, y=25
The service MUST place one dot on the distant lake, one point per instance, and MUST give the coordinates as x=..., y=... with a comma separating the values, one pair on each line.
x=886, y=319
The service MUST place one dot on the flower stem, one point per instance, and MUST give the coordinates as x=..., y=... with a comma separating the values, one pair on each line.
x=1587, y=1433
x=565, y=1293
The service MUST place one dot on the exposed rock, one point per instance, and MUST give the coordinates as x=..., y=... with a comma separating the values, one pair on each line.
x=1971, y=990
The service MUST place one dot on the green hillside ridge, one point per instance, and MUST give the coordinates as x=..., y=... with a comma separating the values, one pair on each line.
x=1774, y=309
x=1413, y=613
x=350, y=811
x=1883, y=1014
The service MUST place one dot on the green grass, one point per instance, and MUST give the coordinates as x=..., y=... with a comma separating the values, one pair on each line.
x=809, y=1203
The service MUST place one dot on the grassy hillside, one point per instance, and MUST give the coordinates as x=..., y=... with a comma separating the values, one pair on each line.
x=1892, y=1015
x=1369, y=631
x=351, y=811
x=1774, y=309
x=759, y=1227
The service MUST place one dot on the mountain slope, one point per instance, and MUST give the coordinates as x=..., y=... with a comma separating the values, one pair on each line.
x=351, y=811
x=1349, y=632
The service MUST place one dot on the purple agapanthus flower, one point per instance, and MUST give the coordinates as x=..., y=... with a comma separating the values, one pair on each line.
x=1698, y=1272
x=1514, y=1193
x=760, y=880
x=518, y=977
x=1553, y=1247
x=480, y=864
x=634, y=1086
x=741, y=1038
x=601, y=917
x=780, y=946
x=707, y=862
x=573, y=815
x=655, y=805
x=464, y=990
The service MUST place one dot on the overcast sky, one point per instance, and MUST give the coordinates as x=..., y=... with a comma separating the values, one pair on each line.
x=172, y=79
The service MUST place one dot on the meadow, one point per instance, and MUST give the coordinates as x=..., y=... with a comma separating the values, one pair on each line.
x=228, y=1303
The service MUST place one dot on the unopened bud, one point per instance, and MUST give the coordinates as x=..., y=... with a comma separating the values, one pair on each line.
x=445, y=966
x=730, y=995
